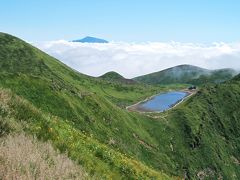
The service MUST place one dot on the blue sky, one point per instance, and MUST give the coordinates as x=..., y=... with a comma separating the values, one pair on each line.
x=200, y=21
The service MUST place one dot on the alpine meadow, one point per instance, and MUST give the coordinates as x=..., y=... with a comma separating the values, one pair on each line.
x=177, y=118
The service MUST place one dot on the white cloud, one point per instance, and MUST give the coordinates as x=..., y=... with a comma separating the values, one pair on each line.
x=131, y=59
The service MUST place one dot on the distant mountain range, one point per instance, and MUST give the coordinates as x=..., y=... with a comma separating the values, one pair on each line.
x=90, y=39
x=187, y=74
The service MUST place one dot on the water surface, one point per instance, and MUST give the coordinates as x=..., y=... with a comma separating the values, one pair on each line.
x=163, y=102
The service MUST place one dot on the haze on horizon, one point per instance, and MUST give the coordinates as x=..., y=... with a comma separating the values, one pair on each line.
x=145, y=36
x=135, y=59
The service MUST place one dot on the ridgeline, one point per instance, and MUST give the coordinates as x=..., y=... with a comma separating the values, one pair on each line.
x=86, y=118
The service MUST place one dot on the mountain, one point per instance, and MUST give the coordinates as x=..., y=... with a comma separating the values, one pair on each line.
x=42, y=97
x=187, y=74
x=115, y=77
x=80, y=116
x=89, y=39
x=208, y=124
x=112, y=76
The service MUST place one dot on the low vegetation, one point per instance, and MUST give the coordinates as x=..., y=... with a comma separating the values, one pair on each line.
x=99, y=160
x=85, y=118
x=23, y=157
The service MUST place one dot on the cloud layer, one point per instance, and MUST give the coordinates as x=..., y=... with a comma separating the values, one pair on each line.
x=131, y=59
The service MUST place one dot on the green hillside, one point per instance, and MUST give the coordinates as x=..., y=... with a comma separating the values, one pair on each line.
x=187, y=74
x=208, y=129
x=86, y=118
x=112, y=76
x=115, y=77
x=84, y=105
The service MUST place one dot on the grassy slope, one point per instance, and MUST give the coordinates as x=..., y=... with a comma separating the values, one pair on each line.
x=79, y=100
x=204, y=132
x=112, y=76
x=187, y=74
x=23, y=157
x=178, y=142
x=98, y=159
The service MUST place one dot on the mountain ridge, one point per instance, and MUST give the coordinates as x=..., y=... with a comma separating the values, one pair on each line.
x=188, y=74
x=44, y=91
x=82, y=116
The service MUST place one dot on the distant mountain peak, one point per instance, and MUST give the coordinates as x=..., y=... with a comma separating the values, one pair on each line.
x=89, y=39
x=188, y=74
x=114, y=76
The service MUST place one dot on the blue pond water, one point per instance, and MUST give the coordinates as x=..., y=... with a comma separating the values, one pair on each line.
x=163, y=101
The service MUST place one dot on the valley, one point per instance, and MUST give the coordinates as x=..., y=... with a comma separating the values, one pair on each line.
x=86, y=118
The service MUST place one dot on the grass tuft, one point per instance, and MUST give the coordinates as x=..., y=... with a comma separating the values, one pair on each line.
x=24, y=157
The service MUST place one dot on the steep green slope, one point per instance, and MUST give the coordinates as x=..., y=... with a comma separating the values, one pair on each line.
x=81, y=115
x=187, y=74
x=17, y=114
x=207, y=137
x=78, y=100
